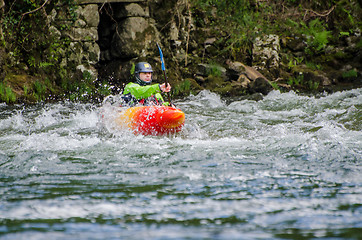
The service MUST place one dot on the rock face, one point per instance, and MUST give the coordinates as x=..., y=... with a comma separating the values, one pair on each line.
x=110, y=33
x=266, y=54
x=83, y=52
x=126, y=31
x=132, y=36
x=126, y=34
x=266, y=51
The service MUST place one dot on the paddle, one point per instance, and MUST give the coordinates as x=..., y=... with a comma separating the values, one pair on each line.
x=164, y=73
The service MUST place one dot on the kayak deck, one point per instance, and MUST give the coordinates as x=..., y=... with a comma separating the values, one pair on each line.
x=151, y=120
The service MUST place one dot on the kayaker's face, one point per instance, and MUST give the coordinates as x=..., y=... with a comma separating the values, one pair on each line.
x=146, y=76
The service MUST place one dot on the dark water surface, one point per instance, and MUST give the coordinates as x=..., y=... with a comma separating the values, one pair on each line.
x=286, y=167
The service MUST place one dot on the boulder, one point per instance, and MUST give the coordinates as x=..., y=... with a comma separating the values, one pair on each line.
x=260, y=85
x=83, y=34
x=244, y=80
x=133, y=36
x=249, y=78
x=237, y=67
x=89, y=14
x=248, y=71
x=92, y=52
x=130, y=10
x=266, y=51
x=253, y=74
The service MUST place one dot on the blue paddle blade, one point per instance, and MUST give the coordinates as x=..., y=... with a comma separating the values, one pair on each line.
x=161, y=56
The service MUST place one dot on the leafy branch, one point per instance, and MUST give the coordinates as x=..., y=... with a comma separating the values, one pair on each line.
x=33, y=11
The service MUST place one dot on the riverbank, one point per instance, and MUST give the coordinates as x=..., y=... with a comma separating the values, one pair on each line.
x=85, y=52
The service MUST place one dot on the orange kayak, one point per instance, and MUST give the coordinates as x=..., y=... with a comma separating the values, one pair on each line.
x=151, y=120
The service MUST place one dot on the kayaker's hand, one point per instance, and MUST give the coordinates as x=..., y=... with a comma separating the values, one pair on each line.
x=164, y=88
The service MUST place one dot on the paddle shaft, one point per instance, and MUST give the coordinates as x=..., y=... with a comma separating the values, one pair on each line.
x=164, y=72
x=166, y=82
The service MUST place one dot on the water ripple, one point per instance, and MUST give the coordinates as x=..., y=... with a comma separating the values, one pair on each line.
x=285, y=167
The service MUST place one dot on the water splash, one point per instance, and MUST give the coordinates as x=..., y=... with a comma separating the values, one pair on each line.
x=287, y=165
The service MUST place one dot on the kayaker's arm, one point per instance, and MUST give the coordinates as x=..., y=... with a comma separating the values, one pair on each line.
x=164, y=88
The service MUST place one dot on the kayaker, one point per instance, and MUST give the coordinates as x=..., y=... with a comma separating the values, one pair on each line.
x=142, y=91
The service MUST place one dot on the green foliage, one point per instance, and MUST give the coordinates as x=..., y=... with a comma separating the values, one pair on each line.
x=349, y=74
x=295, y=61
x=313, y=85
x=347, y=11
x=299, y=81
x=215, y=70
x=313, y=66
x=341, y=34
x=6, y=94
x=20, y=29
x=359, y=44
x=39, y=90
x=86, y=89
x=81, y=90
x=10, y=95
x=29, y=43
x=237, y=11
x=26, y=91
x=103, y=89
x=317, y=37
x=320, y=40
x=296, y=80
x=275, y=85
x=235, y=22
x=182, y=89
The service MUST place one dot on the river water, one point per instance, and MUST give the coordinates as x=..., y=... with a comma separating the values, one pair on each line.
x=285, y=167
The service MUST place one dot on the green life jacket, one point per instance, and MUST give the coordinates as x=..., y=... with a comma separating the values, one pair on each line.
x=143, y=93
